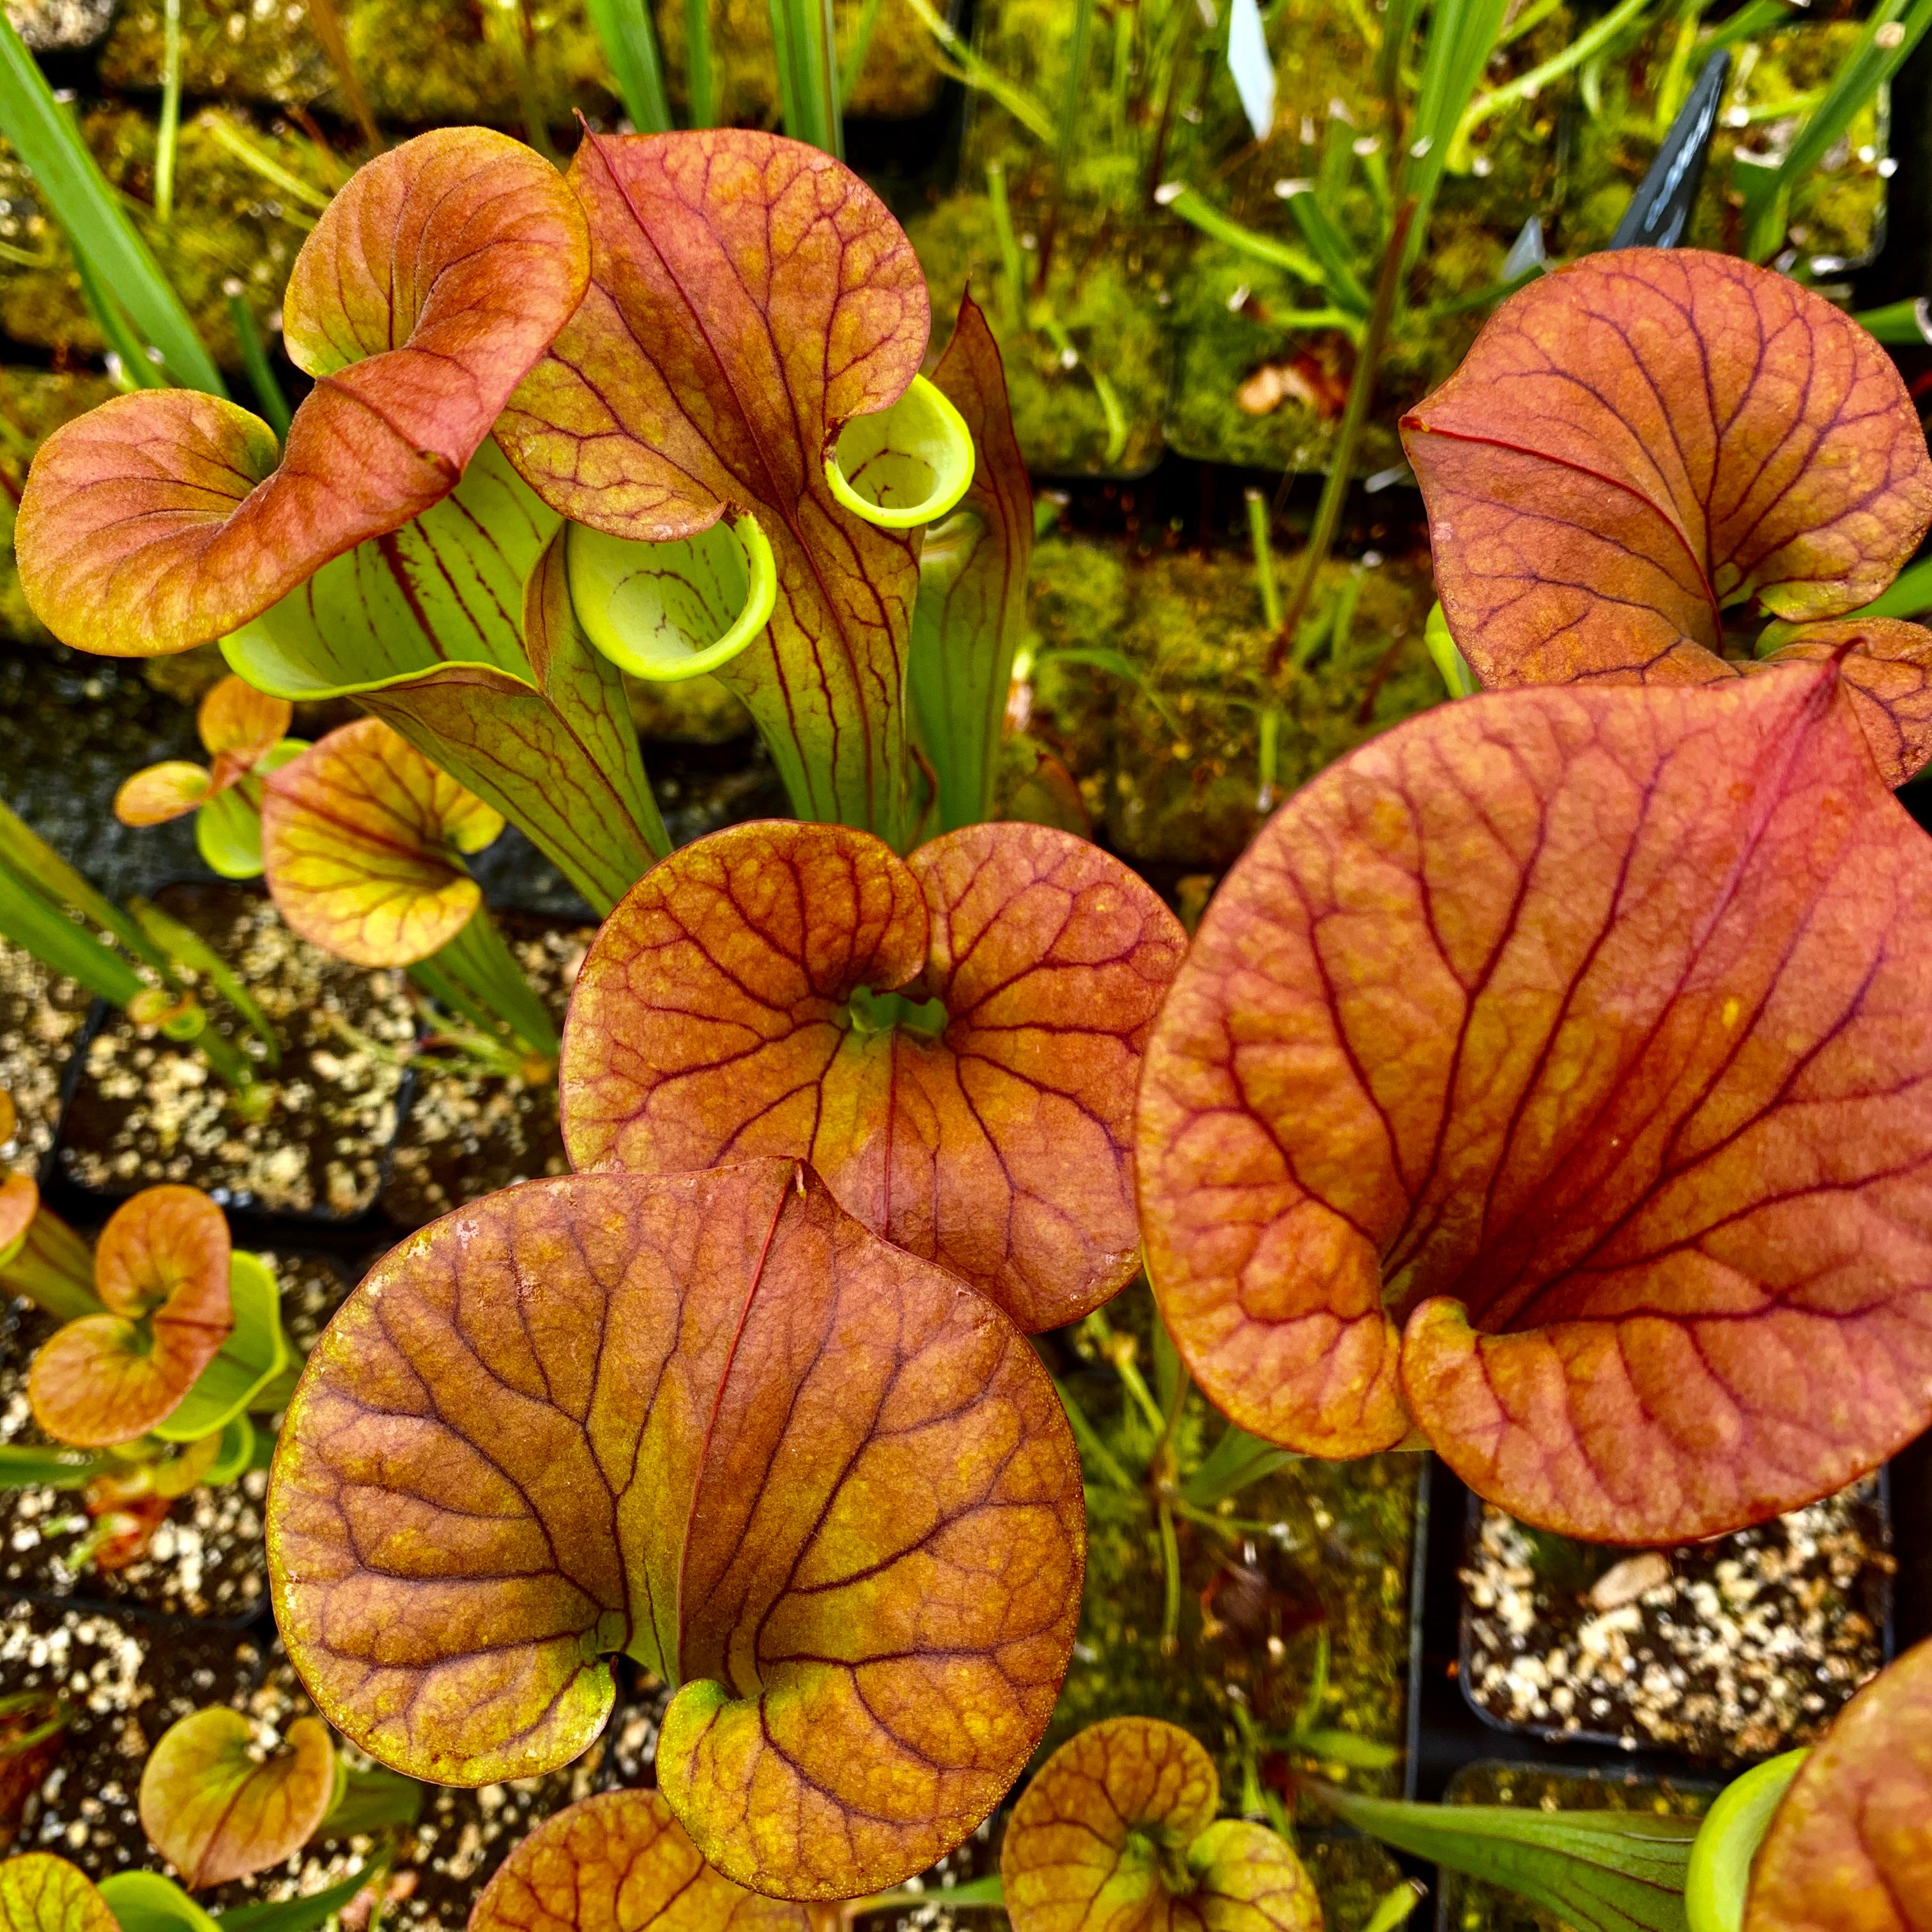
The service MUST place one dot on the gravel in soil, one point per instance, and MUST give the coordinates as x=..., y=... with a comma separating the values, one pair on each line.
x=41, y=1015
x=128, y=1678
x=468, y=1133
x=206, y=1559
x=149, y=1111
x=460, y=1838
x=72, y=728
x=1728, y=1649
x=1474, y=1905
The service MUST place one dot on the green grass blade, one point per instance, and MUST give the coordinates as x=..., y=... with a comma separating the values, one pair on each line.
x=305, y=194
x=700, y=74
x=299, y=1915
x=1195, y=208
x=963, y=65
x=1323, y=235
x=1758, y=17
x=1237, y=1459
x=29, y=920
x=183, y=945
x=802, y=34
x=168, y=138
x=631, y=46
x=1598, y=1871
x=480, y=961
x=77, y=195
x=1073, y=86
x=24, y=851
x=855, y=57
x=1871, y=63
x=138, y=369
x=1461, y=34
x=28, y=1466
x=275, y=406
x=1593, y=40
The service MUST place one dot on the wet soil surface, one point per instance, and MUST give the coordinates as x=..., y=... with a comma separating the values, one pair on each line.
x=148, y=1111
x=469, y=1133
x=41, y=1015
x=1728, y=1649
x=72, y=726
x=127, y=1679
x=206, y=1559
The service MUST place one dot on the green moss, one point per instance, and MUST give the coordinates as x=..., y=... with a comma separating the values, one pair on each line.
x=1834, y=209
x=1104, y=291
x=1193, y=628
x=899, y=79
x=692, y=711
x=1250, y=388
x=238, y=51
x=1316, y=1555
x=34, y=402
x=232, y=230
x=421, y=62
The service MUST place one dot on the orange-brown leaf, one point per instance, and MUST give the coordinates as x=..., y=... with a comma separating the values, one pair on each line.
x=1585, y=1034
x=161, y=1267
x=709, y=1420
x=430, y=284
x=361, y=839
x=239, y=726
x=620, y=1862
x=41, y=1893
x=20, y=1202
x=1887, y=669
x=713, y=1018
x=218, y=1811
x=156, y=793
x=1849, y=1849
x=748, y=295
x=1117, y=1828
x=1644, y=438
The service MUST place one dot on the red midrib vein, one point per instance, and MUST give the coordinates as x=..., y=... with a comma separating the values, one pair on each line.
x=717, y=1404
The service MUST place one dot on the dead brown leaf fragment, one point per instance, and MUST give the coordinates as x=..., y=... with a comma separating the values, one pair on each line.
x=710, y=1420
x=1117, y=1828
